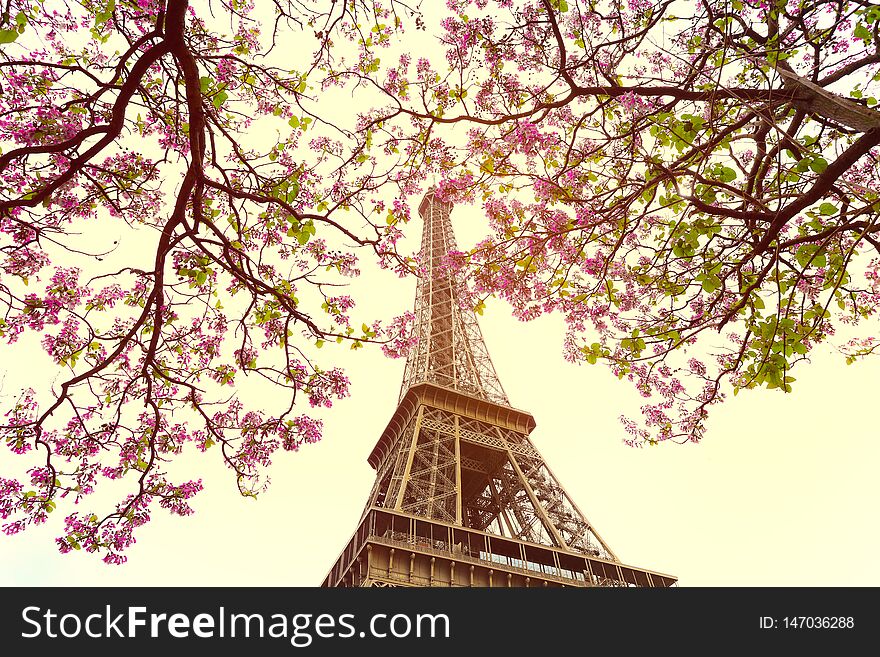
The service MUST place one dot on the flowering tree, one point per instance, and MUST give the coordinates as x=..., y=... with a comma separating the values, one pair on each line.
x=240, y=202
x=693, y=185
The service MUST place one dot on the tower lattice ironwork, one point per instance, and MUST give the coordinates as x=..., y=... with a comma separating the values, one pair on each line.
x=462, y=497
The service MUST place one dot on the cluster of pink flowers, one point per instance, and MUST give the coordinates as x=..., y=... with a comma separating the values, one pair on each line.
x=18, y=431
x=10, y=497
x=323, y=387
x=344, y=262
x=338, y=308
x=302, y=429
x=526, y=138
x=68, y=342
x=635, y=105
x=400, y=335
x=457, y=189
x=63, y=294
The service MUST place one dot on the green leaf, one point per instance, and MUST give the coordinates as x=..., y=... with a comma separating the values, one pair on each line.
x=102, y=17
x=862, y=32
x=220, y=98
x=8, y=36
x=819, y=164
x=827, y=209
x=727, y=174
x=805, y=256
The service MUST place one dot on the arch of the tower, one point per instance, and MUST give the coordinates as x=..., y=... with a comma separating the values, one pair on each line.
x=449, y=467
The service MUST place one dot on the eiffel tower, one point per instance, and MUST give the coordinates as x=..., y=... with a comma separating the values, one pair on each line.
x=462, y=497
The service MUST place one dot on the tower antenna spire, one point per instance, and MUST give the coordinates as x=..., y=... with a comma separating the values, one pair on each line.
x=450, y=350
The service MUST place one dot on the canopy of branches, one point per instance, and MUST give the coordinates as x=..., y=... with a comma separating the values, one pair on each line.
x=692, y=185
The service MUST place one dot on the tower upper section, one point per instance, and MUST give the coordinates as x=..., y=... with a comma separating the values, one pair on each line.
x=450, y=351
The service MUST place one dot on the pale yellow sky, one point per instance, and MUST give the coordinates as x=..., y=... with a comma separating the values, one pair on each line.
x=782, y=492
